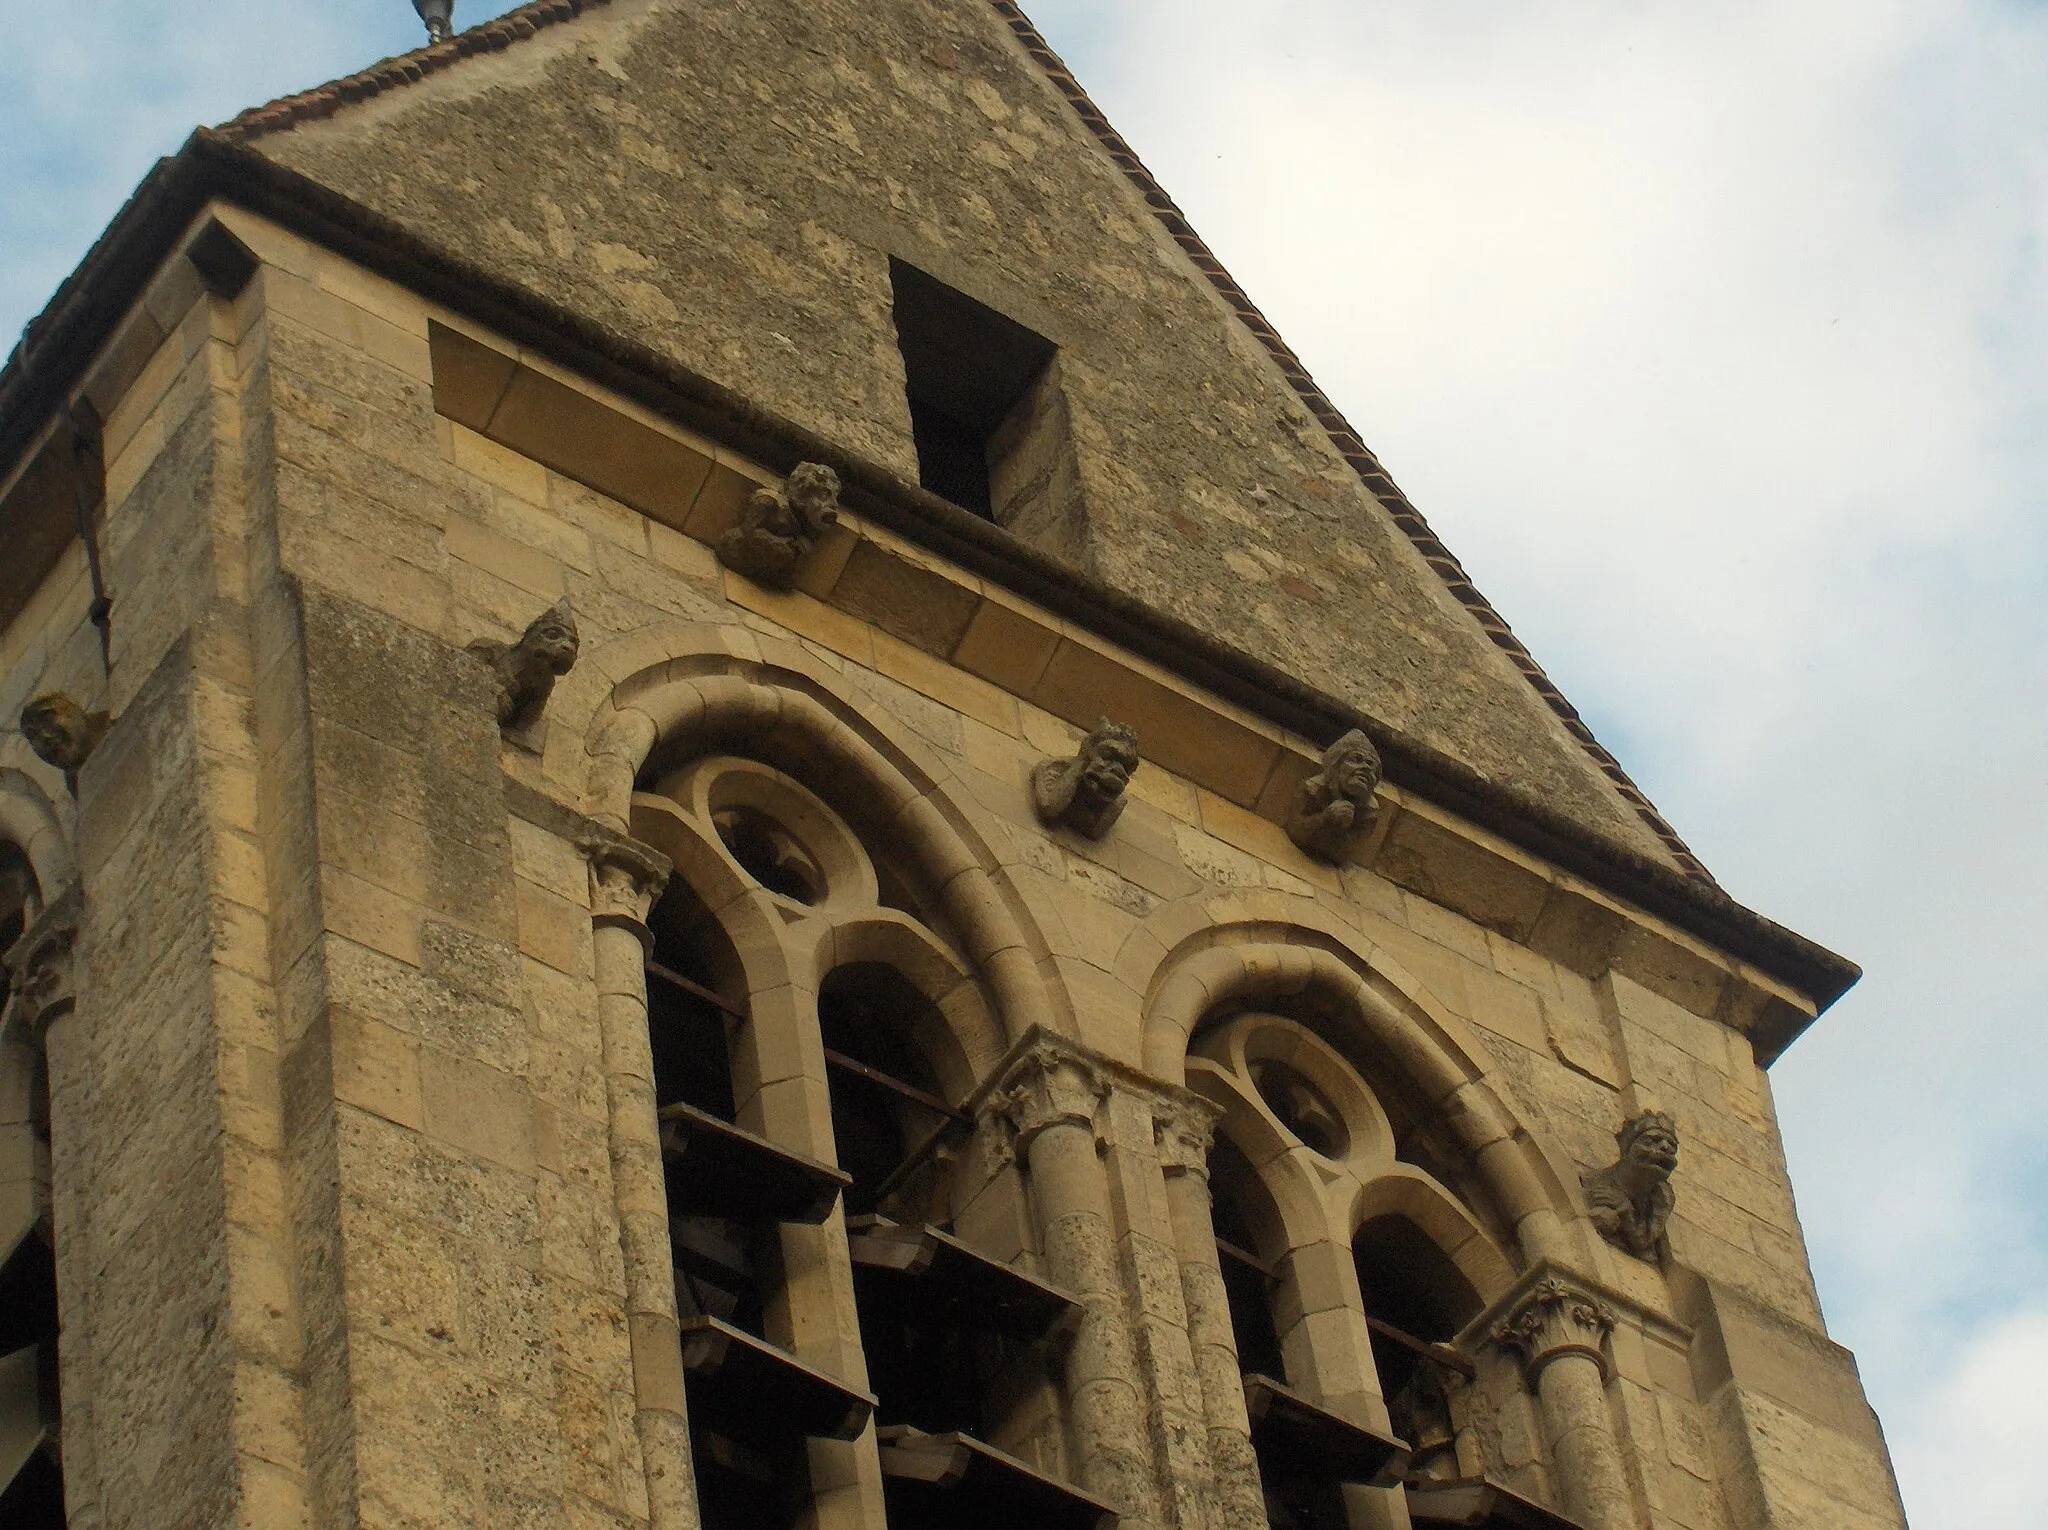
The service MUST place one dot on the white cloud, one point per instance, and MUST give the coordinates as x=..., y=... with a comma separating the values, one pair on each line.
x=1715, y=341
x=1978, y=1434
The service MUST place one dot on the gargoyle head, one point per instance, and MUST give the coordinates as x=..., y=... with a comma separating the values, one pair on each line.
x=60, y=731
x=1108, y=759
x=1649, y=1147
x=551, y=638
x=1351, y=768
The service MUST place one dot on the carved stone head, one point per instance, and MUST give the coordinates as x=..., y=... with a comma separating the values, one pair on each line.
x=1336, y=801
x=551, y=638
x=1351, y=769
x=777, y=530
x=1649, y=1146
x=526, y=671
x=61, y=732
x=1630, y=1201
x=1108, y=758
x=813, y=496
x=1086, y=793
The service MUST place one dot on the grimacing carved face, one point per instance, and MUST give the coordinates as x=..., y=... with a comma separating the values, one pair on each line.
x=555, y=641
x=1655, y=1149
x=814, y=491
x=1354, y=773
x=1106, y=770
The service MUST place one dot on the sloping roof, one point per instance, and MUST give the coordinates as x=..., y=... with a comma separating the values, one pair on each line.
x=123, y=262
x=490, y=37
x=55, y=349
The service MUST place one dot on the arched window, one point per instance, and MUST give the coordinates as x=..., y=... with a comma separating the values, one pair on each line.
x=31, y=1472
x=1337, y=1255
x=809, y=1097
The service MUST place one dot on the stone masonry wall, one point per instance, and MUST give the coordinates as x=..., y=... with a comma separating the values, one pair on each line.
x=344, y=1239
x=726, y=183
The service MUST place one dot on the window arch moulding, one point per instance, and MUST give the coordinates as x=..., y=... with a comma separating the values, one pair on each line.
x=663, y=697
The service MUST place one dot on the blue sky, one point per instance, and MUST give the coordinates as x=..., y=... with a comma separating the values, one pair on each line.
x=1715, y=341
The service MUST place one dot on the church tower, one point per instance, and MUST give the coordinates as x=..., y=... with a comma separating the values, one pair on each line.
x=735, y=811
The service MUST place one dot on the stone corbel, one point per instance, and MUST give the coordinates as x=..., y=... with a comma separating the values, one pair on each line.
x=1184, y=1130
x=625, y=879
x=1050, y=1084
x=1553, y=1318
x=42, y=985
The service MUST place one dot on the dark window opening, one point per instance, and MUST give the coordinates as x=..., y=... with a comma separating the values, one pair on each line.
x=952, y=1337
x=1306, y=1453
x=1248, y=1280
x=1300, y=1107
x=32, y=1490
x=886, y=1104
x=752, y=1405
x=979, y=415
x=1409, y=1285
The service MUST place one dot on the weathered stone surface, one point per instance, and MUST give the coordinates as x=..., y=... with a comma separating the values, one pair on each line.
x=1086, y=793
x=357, y=1170
x=974, y=170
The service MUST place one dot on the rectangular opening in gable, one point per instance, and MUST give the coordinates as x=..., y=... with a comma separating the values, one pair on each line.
x=985, y=406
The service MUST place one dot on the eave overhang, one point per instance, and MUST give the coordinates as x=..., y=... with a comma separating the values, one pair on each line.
x=50, y=363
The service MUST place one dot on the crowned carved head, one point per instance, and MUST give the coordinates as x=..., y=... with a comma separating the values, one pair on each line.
x=1649, y=1145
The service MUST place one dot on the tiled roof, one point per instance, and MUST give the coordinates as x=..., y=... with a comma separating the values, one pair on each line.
x=326, y=100
x=507, y=29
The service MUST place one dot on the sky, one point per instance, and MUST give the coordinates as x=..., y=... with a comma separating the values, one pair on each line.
x=1714, y=340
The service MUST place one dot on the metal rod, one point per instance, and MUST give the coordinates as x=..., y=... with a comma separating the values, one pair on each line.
x=101, y=612
x=896, y=1085
x=694, y=989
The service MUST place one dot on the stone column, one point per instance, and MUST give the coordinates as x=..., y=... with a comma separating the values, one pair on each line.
x=625, y=879
x=1186, y=1131
x=1048, y=1100
x=1559, y=1330
x=42, y=997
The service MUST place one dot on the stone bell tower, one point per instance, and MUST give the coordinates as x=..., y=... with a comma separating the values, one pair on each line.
x=732, y=807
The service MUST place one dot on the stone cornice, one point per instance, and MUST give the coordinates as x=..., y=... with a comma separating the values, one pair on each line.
x=92, y=304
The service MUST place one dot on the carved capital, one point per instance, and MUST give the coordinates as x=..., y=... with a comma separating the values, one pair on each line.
x=1553, y=1319
x=1185, y=1130
x=1049, y=1085
x=625, y=879
x=42, y=987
